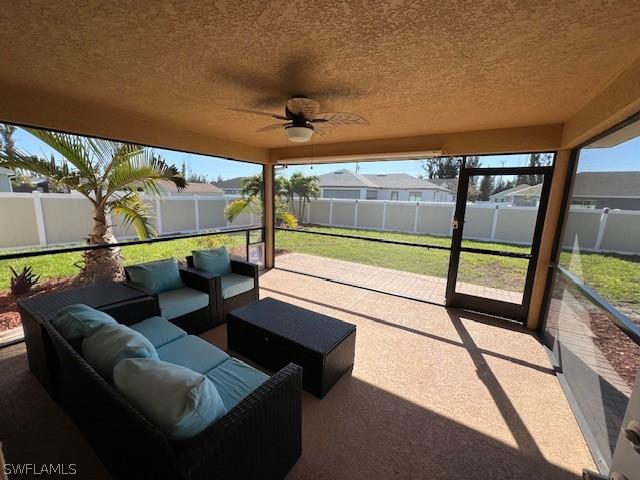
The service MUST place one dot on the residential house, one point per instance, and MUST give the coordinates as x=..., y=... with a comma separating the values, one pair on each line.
x=615, y=190
x=508, y=196
x=232, y=186
x=193, y=188
x=5, y=179
x=391, y=186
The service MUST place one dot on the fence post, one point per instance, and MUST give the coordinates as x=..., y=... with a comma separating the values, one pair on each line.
x=159, y=216
x=601, y=229
x=37, y=204
x=308, y=212
x=196, y=206
x=355, y=215
x=331, y=212
x=415, y=217
x=226, y=204
x=495, y=222
x=384, y=214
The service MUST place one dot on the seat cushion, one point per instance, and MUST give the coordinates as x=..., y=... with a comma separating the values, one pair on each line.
x=180, y=402
x=192, y=352
x=79, y=321
x=160, y=276
x=158, y=330
x=234, y=380
x=234, y=284
x=110, y=344
x=215, y=261
x=175, y=303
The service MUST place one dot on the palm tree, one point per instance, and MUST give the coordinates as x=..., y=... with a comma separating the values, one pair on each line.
x=109, y=174
x=252, y=190
x=305, y=188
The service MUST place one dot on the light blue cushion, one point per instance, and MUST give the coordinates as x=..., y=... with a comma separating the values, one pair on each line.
x=180, y=402
x=104, y=348
x=192, y=352
x=158, y=331
x=234, y=380
x=175, y=303
x=213, y=261
x=160, y=276
x=234, y=284
x=80, y=321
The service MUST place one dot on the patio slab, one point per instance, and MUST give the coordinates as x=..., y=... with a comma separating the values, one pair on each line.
x=408, y=284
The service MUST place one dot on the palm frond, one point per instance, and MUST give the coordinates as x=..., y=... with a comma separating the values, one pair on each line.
x=236, y=207
x=134, y=213
x=71, y=147
x=39, y=166
x=143, y=170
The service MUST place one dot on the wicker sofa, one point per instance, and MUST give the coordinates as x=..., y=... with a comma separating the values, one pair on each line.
x=260, y=437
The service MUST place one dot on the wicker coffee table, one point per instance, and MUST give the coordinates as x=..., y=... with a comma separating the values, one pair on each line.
x=272, y=334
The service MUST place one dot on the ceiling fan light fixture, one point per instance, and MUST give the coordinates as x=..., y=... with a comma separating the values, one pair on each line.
x=299, y=134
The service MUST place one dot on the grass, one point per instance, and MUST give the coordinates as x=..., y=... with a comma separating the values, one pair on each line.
x=616, y=277
x=64, y=264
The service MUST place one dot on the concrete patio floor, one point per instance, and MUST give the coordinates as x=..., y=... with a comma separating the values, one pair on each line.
x=434, y=394
x=408, y=284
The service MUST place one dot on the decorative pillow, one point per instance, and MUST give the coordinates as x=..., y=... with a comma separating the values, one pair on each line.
x=112, y=343
x=215, y=261
x=179, y=401
x=79, y=321
x=160, y=276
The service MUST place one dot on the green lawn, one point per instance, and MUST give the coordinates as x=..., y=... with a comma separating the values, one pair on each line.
x=62, y=265
x=616, y=277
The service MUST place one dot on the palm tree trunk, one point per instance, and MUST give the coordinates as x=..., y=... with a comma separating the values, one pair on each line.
x=101, y=263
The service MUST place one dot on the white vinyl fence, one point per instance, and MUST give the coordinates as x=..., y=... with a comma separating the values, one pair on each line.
x=615, y=231
x=40, y=219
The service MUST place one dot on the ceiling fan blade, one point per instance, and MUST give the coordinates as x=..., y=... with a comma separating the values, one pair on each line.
x=273, y=126
x=341, y=118
x=307, y=107
x=258, y=112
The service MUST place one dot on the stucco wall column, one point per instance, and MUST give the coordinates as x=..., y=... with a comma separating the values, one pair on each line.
x=269, y=211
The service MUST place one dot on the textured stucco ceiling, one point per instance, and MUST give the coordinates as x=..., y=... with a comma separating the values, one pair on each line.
x=410, y=67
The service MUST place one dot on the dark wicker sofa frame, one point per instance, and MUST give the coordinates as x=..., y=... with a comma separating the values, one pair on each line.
x=259, y=438
x=199, y=320
x=241, y=267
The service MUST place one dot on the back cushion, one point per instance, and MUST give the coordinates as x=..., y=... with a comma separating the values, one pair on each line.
x=179, y=401
x=111, y=343
x=78, y=321
x=215, y=261
x=160, y=276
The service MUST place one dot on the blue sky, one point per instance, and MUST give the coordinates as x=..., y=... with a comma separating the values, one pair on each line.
x=624, y=157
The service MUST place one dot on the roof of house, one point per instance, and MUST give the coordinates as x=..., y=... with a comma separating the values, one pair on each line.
x=512, y=190
x=448, y=183
x=607, y=184
x=230, y=183
x=346, y=178
x=535, y=190
x=192, y=187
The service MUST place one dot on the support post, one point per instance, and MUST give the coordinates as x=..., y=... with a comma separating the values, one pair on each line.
x=37, y=204
x=269, y=216
x=415, y=217
x=355, y=215
x=331, y=212
x=384, y=214
x=197, y=212
x=159, y=216
x=601, y=229
x=495, y=222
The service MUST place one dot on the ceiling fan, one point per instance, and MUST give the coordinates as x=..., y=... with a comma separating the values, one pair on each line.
x=302, y=118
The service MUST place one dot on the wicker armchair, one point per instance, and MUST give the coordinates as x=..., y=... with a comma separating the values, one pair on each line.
x=224, y=302
x=193, y=321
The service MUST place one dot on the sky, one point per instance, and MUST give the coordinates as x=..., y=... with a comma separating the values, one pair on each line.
x=624, y=157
